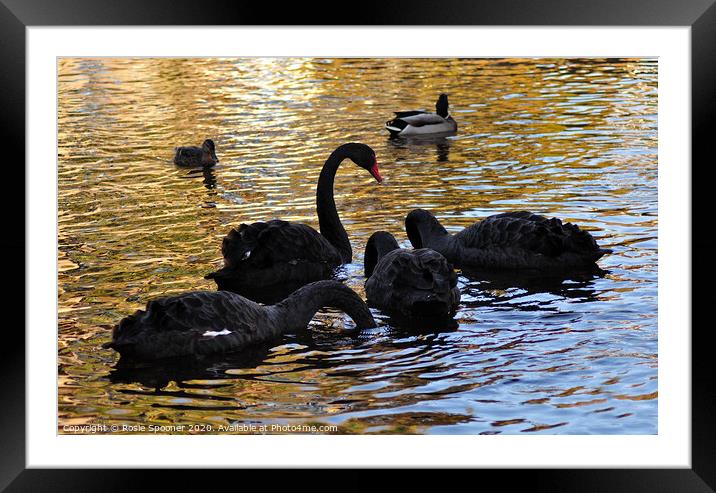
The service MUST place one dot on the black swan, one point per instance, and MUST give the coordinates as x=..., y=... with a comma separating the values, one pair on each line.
x=266, y=261
x=417, y=123
x=409, y=284
x=513, y=240
x=207, y=322
x=197, y=156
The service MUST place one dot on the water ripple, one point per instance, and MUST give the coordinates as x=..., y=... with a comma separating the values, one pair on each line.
x=572, y=138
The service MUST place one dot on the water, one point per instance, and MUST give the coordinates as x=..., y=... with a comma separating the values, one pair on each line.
x=576, y=139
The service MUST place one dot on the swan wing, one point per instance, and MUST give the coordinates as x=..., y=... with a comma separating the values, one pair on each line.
x=427, y=270
x=199, y=322
x=527, y=231
x=199, y=312
x=403, y=280
x=422, y=270
x=264, y=244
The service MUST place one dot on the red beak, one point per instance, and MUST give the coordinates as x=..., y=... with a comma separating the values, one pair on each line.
x=374, y=171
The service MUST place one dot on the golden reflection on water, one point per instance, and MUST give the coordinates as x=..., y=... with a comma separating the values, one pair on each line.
x=572, y=138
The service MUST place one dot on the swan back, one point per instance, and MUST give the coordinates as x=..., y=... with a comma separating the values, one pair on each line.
x=268, y=261
x=523, y=240
x=264, y=244
x=199, y=322
x=512, y=240
x=528, y=231
x=413, y=283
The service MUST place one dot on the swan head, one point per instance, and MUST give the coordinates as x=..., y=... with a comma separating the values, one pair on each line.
x=441, y=107
x=379, y=243
x=363, y=156
x=209, y=150
x=421, y=226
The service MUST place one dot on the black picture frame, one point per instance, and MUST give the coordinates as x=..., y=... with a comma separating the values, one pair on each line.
x=700, y=15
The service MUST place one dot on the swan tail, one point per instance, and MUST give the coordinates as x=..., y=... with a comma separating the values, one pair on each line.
x=117, y=346
x=122, y=332
x=602, y=252
x=222, y=275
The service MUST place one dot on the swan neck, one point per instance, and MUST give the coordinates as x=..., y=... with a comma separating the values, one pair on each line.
x=379, y=244
x=297, y=310
x=427, y=234
x=330, y=223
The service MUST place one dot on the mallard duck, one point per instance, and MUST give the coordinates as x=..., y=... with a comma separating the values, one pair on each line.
x=416, y=123
x=197, y=156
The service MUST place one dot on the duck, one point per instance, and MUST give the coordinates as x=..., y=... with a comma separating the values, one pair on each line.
x=204, y=156
x=517, y=240
x=417, y=123
x=408, y=283
x=266, y=261
x=199, y=323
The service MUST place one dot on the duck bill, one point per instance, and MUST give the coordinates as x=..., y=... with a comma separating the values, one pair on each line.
x=376, y=174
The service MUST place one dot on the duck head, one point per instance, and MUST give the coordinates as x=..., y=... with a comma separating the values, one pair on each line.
x=441, y=107
x=209, y=152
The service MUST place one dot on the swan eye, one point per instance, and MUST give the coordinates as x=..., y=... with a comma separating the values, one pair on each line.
x=246, y=255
